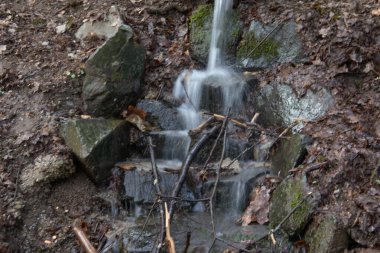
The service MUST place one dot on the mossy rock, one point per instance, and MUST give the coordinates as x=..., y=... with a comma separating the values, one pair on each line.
x=113, y=75
x=258, y=50
x=98, y=144
x=326, y=234
x=201, y=29
x=287, y=196
x=289, y=153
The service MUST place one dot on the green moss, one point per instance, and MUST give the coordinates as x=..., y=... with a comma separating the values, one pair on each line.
x=268, y=49
x=201, y=15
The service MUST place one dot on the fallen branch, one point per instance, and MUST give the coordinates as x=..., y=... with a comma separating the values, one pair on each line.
x=158, y=189
x=314, y=167
x=236, y=122
x=186, y=165
x=187, y=243
x=82, y=238
x=223, y=129
x=169, y=239
x=202, y=126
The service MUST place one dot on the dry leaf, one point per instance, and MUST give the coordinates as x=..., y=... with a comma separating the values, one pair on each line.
x=126, y=166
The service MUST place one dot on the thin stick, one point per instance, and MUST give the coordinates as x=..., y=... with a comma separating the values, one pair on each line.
x=314, y=167
x=187, y=243
x=82, y=238
x=186, y=165
x=169, y=239
x=238, y=123
x=202, y=126
x=224, y=128
x=158, y=189
x=232, y=245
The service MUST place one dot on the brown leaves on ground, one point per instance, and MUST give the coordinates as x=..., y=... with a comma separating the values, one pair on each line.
x=258, y=208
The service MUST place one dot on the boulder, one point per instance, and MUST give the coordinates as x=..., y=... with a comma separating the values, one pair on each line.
x=200, y=33
x=287, y=196
x=107, y=28
x=98, y=144
x=46, y=169
x=113, y=75
x=278, y=105
x=326, y=235
x=283, y=45
x=289, y=153
x=160, y=115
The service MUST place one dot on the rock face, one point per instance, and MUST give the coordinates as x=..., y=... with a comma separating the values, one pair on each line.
x=98, y=144
x=326, y=235
x=165, y=118
x=289, y=153
x=46, y=169
x=113, y=75
x=106, y=28
x=278, y=105
x=139, y=187
x=284, y=45
x=286, y=197
x=200, y=33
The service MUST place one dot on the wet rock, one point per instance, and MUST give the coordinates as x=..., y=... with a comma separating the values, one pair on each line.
x=200, y=33
x=139, y=182
x=233, y=191
x=166, y=118
x=113, y=75
x=107, y=28
x=284, y=45
x=289, y=153
x=286, y=197
x=326, y=235
x=98, y=144
x=171, y=145
x=13, y=212
x=46, y=169
x=278, y=105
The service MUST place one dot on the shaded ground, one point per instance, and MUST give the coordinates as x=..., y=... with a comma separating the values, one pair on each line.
x=40, y=85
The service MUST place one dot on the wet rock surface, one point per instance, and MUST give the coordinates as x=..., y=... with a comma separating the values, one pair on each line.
x=284, y=45
x=287, y=196
x=46, y=169
x=278, y=105
x=326, y=234
x=139, y=182
x=113, y=75
x=98, y=144
x=289, y=153
x=164, y=117
x=200, y=33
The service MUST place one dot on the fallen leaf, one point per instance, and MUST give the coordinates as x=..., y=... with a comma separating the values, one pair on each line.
x=126, y=166
x=258, y=208
x=376, y=12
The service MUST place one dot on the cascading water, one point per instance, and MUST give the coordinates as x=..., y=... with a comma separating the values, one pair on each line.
x=191, y=86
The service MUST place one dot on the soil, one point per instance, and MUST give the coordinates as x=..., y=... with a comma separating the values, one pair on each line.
x=40, y=87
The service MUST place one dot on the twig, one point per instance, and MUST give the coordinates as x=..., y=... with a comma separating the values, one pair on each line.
x=314, y=167
x=169, y=239
x=186, y=165
x=158, y=189
x=202, y=126
x=82, y=238
x=236, y=122
x=184, y=199
x=212, y=245
x=187, y=243
x=232, y=245
x=223, y=129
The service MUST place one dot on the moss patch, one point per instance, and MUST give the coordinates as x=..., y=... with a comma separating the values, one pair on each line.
x=268, y=49
x=201, y=15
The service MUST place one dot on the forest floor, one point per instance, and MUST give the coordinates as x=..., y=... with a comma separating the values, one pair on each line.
x=40, y=85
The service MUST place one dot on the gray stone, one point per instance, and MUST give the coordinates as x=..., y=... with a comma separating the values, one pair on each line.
x=289, y=153
x=284, y=45
x=139, y=182
x=107, y=28
x=326, y=235
x=287, y=196
x=278, y=105
x=200, y=33
x=46, y=169
x=164, y=117
x=98, y=144
x=113, y=75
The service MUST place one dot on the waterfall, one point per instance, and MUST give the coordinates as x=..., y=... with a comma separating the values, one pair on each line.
x=199, y=89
